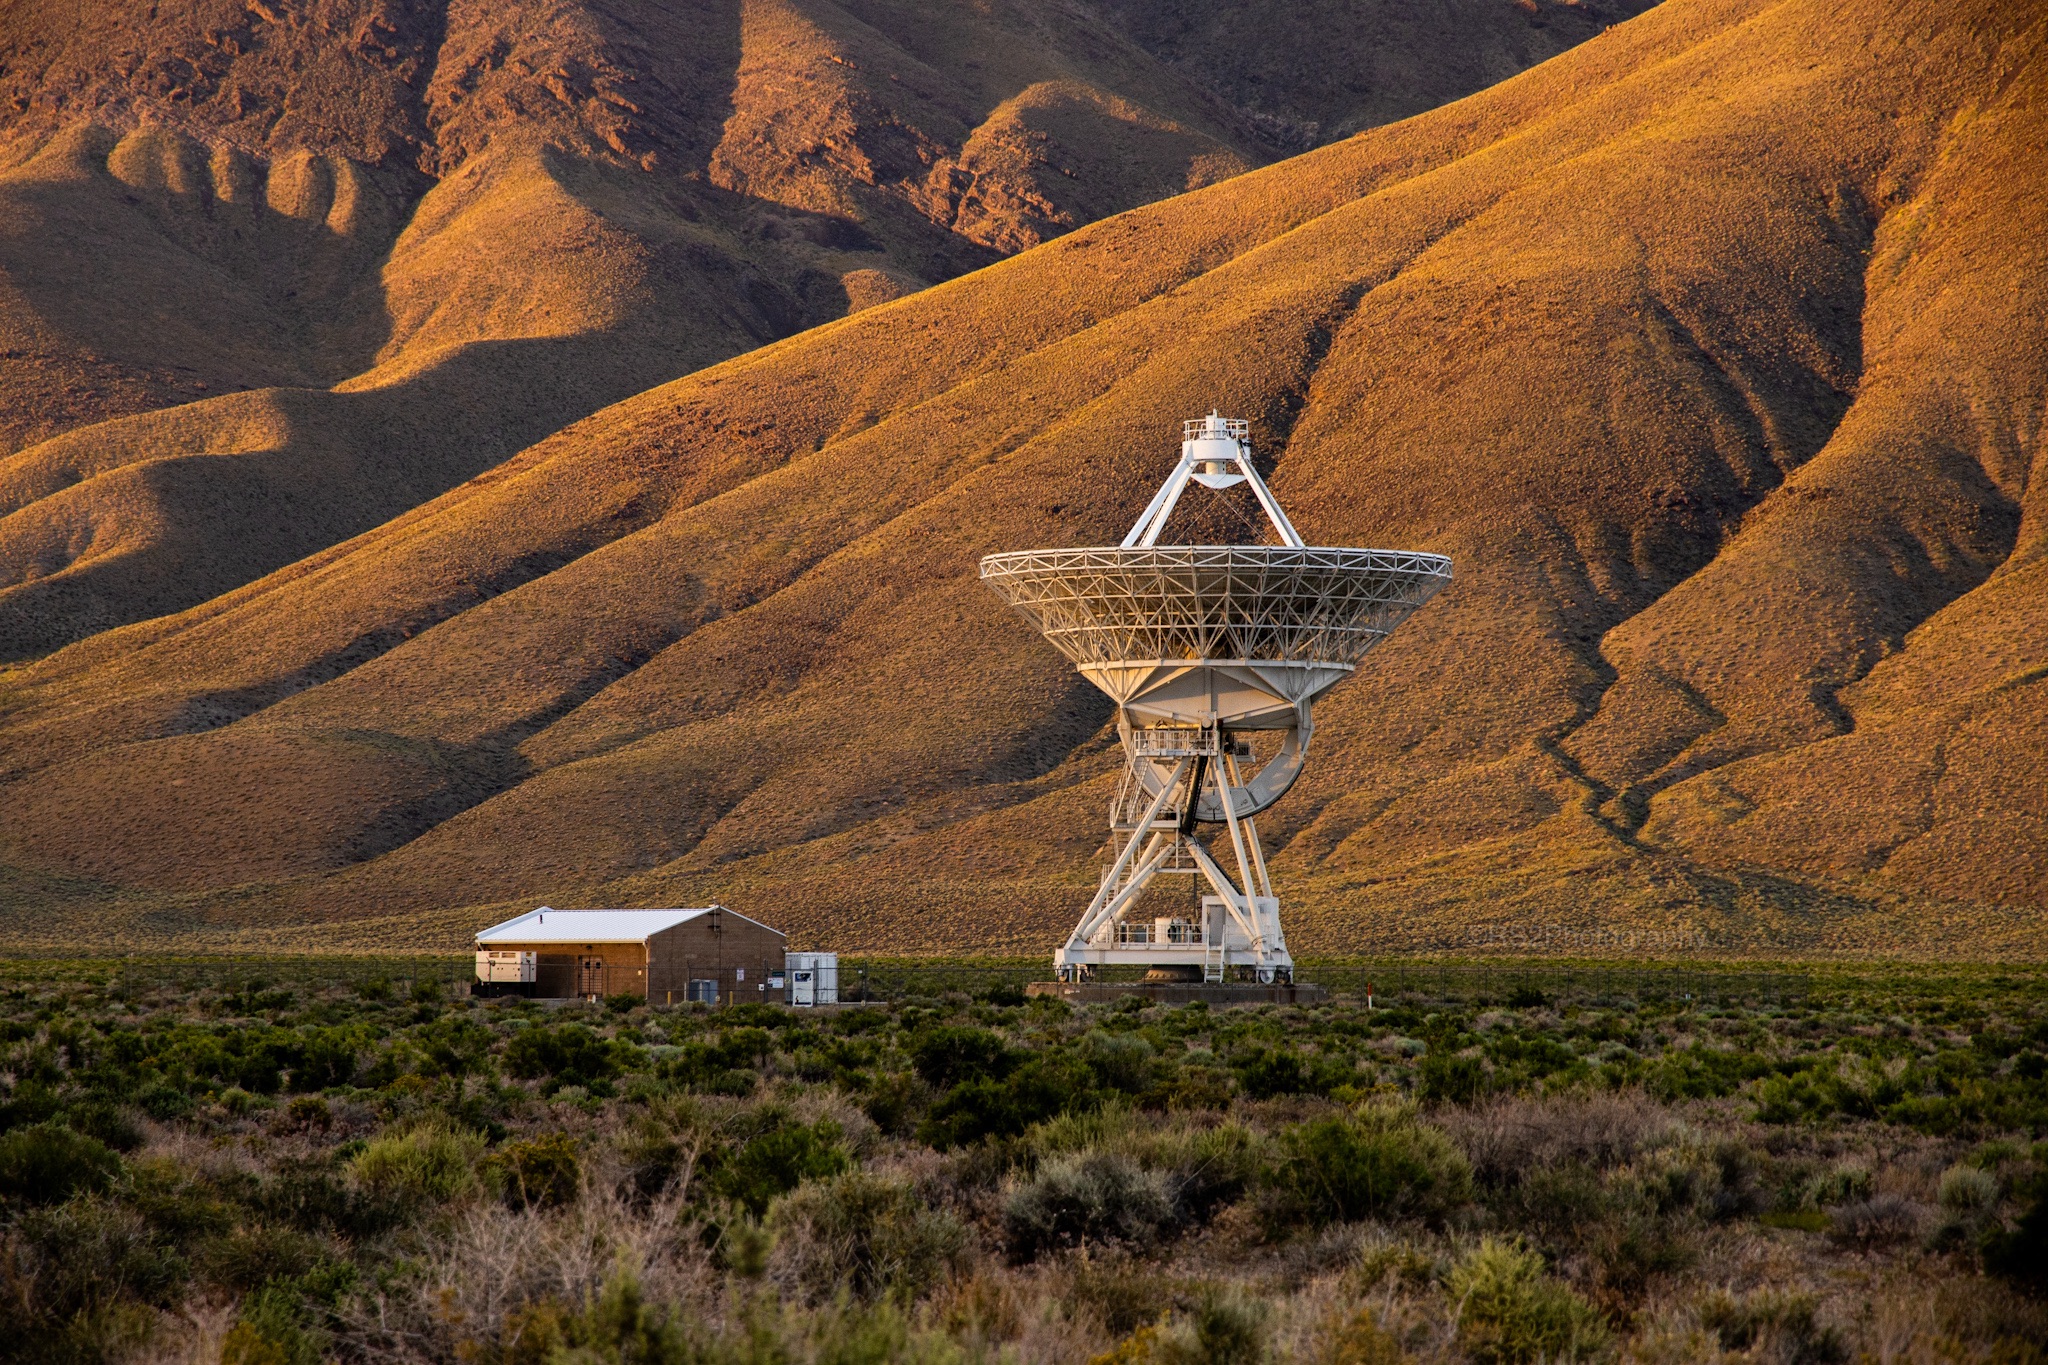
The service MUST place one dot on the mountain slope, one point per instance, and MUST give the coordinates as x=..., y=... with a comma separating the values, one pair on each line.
x=1711, y=351
x=274, y=273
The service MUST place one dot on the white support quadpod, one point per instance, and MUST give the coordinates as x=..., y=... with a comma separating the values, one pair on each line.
x=1214, y=655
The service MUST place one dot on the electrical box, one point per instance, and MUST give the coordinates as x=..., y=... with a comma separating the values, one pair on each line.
x=506, y=966
x=813, y=978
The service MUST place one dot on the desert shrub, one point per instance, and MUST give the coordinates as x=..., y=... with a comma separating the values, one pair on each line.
x=1630, y=1251
x=1773, y=1326
x=1509, y=1136
x=1120, y=1061
x=2020, y=1255
x=1210, y=1167
x=1228, y=1330
x=615, y=1325
x=272, y=1329
x=1355, y=1337
x=433, y=1162
x=1087, y=1197
x=1967, y=1191
x=1707, y=1179
x=1838, y=1185
x=1552, y=1200
x=985, y=1107
x=1218, y=1329
x=83, y=1260
x=947, y=1056
x=1382, y=1160
x=894, y=1103
x=1509, y=1311
x=865, y=1235
x=31, y=1102
x=163, y=1102
x=1204, y=1167
x=1198, y=1086
x=1701, y=1072
x=1521, y=1060
x=775, y=1162
x=248, y=1257
x=309, y=1195
x=1451, y=1079
x=570, y=1054
x=1266, y=1073
x=706, y=1068
x=1876, y=1221
x=47, y=1163
x=1110, y=1126
x=105, y=1121
x=544, y=1171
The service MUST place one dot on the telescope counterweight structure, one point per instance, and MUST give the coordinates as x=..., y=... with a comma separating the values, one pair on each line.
x=1206, y=649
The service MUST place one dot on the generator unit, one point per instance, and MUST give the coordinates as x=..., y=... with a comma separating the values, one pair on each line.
x=509, y=967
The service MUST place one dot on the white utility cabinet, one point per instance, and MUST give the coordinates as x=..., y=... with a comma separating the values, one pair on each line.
x=813, y=978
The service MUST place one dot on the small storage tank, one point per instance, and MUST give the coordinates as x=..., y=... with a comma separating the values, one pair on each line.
x=813, y=978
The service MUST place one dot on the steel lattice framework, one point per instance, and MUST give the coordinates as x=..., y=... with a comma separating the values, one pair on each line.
x=1200, y=647
x=1271, y=603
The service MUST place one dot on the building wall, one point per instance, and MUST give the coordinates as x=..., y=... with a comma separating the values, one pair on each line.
x=730, y=949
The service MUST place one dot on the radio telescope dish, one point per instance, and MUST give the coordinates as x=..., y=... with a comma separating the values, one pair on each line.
x=1214, y=656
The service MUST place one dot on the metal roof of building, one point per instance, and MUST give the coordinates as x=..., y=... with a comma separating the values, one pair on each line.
x=549, y=925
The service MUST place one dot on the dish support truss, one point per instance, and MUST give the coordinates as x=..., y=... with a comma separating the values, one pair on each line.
x=1172, y=775
x=1200, y=647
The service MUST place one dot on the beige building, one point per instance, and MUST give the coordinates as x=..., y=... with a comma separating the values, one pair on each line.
x=710, y=955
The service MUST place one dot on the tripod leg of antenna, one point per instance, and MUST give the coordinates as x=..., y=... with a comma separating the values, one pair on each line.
x=1114, y=894
x=1244, y=862
x=1263, y=883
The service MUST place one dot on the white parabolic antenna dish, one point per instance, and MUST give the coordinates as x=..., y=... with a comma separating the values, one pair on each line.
x=1199, y=645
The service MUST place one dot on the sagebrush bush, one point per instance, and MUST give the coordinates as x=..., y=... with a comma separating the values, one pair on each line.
x=1966, y=1190
x=433, y=1162
x=1121, y=1061
x=68, y=1266
x=1877, y=1221
x=570, y=1054
x=1382, y=1160
x=863, y=1234
x=1454, y=1079
x=46, y=1163
x=773, y=1163
x=1100, y=1197
x=1509, y=1136
x=1205, y=1166
x=545, y=1170
x=985, y=1107
x=1773, y=1325
x=1510, y=1312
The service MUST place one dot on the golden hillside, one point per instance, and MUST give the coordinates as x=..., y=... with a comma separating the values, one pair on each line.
x=273, y=272
x=1711, y=350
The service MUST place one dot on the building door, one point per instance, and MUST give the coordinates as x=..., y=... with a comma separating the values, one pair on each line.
x=590, y=976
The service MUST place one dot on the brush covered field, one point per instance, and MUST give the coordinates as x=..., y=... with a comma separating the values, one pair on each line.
x=297, y=1162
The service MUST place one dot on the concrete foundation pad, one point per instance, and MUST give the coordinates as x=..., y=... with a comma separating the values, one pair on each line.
x=1180, y=992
